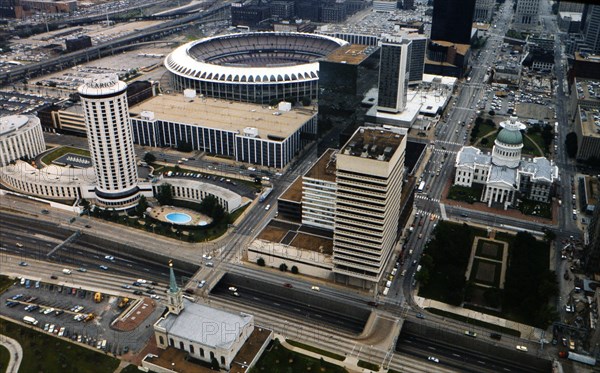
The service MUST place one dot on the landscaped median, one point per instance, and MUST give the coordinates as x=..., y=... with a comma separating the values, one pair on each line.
x=316, y=350
x=279, y=359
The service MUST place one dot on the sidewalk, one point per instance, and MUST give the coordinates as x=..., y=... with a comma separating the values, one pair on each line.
x=15, y=351
x=350, y=363
x=527, y=331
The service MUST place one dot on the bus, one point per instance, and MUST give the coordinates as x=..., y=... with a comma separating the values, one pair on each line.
x=265, y=194
x=421, y=187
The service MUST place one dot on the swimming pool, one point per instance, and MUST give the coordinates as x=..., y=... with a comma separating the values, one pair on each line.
x=178, y=218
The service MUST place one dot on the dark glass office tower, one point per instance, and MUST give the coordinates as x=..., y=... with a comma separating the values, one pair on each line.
x=452, y=20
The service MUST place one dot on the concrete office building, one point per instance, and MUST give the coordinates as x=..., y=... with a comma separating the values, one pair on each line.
x=394, y=70
x=110, y=141
x=591, y=29
x=568, y=6
x=527, y=14
x=385, y=5
x=369, y=184
x=20, y=137
x=418, y=49
x=452, y=20
x=247, y=133
x=484, y=9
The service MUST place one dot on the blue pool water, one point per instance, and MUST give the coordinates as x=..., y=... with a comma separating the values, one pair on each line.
x=178, y=218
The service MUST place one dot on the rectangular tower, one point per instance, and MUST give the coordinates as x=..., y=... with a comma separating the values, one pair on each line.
x=394, y=73
x=452, y=20
x=526, y=14
x=369, y=183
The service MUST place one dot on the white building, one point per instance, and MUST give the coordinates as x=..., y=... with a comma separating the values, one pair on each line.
x=319, y=192
x=20, y=137
x=385, y=5
x=110, y=141
x=194, y=190
x=205, y=333
x=369, y=183
x=505, y=175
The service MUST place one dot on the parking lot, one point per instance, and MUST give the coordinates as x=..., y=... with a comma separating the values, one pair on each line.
x=73, y=313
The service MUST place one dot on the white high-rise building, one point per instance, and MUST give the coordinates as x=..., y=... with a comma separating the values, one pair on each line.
x=527, y=14
x=369, y=184
x=110, y=141
x=394, y=73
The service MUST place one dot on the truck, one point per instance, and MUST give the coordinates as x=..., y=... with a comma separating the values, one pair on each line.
x=265, y=194
x=29, y=320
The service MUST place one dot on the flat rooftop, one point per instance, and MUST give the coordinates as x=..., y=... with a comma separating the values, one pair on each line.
x=325, y=167
x=590, y=122
x=373, y=143
x=226, y=115
x=588, y=89
x=353, y=54
x=293, y=192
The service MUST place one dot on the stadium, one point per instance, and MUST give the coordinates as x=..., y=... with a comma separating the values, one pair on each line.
x=252, y=67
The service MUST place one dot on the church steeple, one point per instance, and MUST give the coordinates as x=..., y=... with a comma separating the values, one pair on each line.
x=174, y=294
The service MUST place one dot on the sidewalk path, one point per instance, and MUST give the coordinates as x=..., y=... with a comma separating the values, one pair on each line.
x=16, y=353
x=349, y=363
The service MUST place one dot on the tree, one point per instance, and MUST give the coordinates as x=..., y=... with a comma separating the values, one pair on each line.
x=283, y=267
x=484, y=141
x=211, y=207
x=549, y=235
x=149, y=158
x=260, y=262
x=295, y=270
x=571, y=144
x=305, y=101
x=492, y=112
x=85, y=204
x=142, y=205
x=165, y=194
x=422, y=276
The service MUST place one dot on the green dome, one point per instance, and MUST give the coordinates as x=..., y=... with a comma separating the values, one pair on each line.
x=510, y=137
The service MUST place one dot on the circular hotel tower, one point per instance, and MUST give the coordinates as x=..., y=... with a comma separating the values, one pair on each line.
x=110, y=141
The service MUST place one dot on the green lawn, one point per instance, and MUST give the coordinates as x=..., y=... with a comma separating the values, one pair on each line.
x=5, y=283
x=475, y=322
x=316, y=350
x=277, y=359
x=530, y=148
x=4, y=358
x=43, y=353
x=59, y=152
x=537, y=138
x=466, y=194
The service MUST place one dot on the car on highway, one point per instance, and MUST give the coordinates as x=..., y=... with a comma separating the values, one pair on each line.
x=236, y=294
x=137, y=292
x=81, y=269
x=54, y=277
x=23, y=264
x=109, y=257
x=126, y=286
x=210, y=264
x=201, y=284
x=420, y=316
x=372, y=303
x=232, y=288
x=287, y=285
x=434, y=359
x=522, y=348
x=496, y=336
x=267, y=207
x=88, y=226
x=315, y=288
x=154, y=296
x=104, y=268
x=206, y=256
x=470, y=333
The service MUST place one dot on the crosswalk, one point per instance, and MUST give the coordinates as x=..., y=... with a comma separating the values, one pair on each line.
x=459, y=144
x=427, y=214
x=445, y=151
x=424, y=197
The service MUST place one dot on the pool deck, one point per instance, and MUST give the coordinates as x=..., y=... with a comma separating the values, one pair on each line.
x=161, y=212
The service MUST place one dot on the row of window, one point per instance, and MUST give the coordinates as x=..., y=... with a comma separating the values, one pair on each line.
x=191, y=349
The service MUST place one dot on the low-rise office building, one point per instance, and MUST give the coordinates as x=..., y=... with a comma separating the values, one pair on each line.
x=244, y=132
x=20, y=137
